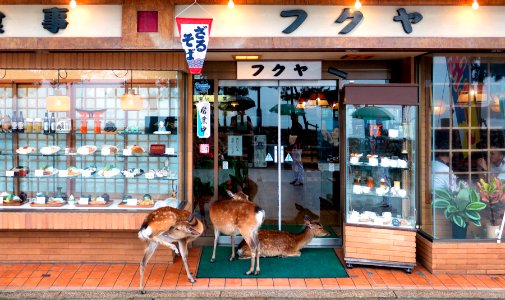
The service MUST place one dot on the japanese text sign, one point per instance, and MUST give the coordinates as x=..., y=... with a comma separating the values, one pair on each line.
x=279, y=70
x=203, y=119
x=194, y=34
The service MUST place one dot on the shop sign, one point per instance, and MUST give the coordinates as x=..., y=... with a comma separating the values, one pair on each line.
x=194, y=34
x=247, y=21
x=279, y=70
x=44, y=21
x=203, y=119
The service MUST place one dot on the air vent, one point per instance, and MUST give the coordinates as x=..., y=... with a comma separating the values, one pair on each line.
x=357, y=56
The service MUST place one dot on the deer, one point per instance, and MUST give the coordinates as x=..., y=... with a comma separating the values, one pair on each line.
x=165, y=226
x=283, y=243
x=238, y=215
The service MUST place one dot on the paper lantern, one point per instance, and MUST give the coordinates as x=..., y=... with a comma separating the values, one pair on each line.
x=131, y=101
x=58, y=102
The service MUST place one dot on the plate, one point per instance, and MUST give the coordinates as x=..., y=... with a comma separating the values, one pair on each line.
x=109, y=173
x=136, y=150
x=109, y=150
x=50, y=150
x=72, y=172
x=89, y=171
x=86, y=149
x=162, y=132
x=49, y=171
x=25, y=150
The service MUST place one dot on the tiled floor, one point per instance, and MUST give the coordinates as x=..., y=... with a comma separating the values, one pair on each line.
x=164, y=276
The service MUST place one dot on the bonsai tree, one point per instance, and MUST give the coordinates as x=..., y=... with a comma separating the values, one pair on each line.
x=493, y=194
x=460, y=206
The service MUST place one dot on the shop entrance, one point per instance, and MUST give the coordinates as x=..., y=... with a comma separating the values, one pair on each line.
x=279, y=144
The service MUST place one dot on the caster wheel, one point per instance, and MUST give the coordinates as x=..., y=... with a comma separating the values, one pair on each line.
x=408, y=271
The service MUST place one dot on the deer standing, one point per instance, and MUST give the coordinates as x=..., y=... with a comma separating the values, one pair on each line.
x=238, y=215
x=165, y=226
x=283, y=243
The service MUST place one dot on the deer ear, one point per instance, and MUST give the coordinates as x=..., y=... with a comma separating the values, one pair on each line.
x=307, y=220
x=230, y=193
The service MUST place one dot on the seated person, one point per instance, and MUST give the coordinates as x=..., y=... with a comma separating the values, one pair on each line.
x=497, y=163
x=441, y=172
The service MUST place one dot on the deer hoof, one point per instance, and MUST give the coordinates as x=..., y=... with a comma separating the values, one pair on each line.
x=257, y=273
x=192, y=280
x=212, y=260
x=232, y=258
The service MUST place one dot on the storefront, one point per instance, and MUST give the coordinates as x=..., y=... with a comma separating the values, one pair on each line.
x=252, y=141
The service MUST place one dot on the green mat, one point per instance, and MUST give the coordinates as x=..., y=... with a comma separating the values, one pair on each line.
x=313, y=263
x=297, y=229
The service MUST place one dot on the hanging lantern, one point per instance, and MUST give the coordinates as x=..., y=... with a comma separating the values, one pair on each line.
x=131, y=101
x=58, y=102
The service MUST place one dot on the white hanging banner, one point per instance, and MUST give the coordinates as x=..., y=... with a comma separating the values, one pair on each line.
x=194, y=34
x=203, y=119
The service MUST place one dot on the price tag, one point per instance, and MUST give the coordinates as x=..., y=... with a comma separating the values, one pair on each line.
x=106, y=151
x=150, y=175
x=170, y=151
x=9, y=173
x=40, y=200
x=83, y=201
x=331, y=167
x=127, y=152
x=39, y=173
x=1, y=199
x=225, y=165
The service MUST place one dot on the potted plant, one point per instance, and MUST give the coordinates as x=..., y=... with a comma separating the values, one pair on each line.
x=493, y=194
x=461, y=207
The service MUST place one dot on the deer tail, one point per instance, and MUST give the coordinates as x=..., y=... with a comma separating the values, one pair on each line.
x=145, y=231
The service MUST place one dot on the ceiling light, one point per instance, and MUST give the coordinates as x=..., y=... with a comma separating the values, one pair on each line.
x=73, y=4
x=58, y=102
x=231, y=4
x=246, y=57
x=357, y=4
x=475, y=4
x=131, y=101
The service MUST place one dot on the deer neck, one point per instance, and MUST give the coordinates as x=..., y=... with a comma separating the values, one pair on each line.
x=304, y=237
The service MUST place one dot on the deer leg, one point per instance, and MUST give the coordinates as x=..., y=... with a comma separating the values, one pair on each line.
x=247, y=239
x=255, y=241
x=216, y=237
x=232, y=237
x=183, y=247
x=148, y=253
x=167, y=242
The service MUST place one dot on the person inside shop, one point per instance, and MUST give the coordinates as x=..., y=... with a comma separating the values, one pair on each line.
x=443, y=178
x=241, y=122
x=496, y=160
x=295, y=142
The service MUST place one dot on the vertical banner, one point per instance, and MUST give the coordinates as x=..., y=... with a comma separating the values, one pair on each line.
x=203, y=119
x=194, y=34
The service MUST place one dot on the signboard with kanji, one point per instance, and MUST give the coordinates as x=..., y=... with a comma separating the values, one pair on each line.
x=279, y=70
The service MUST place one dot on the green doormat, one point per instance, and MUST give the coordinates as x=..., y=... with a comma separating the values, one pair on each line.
x=313, y=263
x=297, y=229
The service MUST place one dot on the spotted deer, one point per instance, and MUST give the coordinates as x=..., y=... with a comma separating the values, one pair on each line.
x=165, y=226
x=283, y=243
x=234, y=216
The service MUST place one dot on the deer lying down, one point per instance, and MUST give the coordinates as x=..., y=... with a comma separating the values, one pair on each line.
x=283, y=243
x=238, y=215
x=165, y=226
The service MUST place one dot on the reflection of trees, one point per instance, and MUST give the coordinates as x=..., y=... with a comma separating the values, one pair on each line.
x=480, y=71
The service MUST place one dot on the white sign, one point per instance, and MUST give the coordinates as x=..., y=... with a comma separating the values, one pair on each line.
x=269, y=157
x=9, y=173
x=170, y=151
x=288, y=158
x=225, y=165
x=279, y=70
x=203, y=119
x=234, y=145
x=85, y=21
x=247, y=21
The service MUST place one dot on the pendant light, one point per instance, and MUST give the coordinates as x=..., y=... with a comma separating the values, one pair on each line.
x=231, y=4
x=475, y=4
x=58, y=102
x=131, y=100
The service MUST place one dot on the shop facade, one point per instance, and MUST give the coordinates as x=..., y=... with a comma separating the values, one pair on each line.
x=252, y=121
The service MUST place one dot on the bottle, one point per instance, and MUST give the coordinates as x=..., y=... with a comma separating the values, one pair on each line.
x=14, y=122
x=21, y=123
x=29, y=125
x=45, y=124
x=52, y=124
x=37, y=125
x=6, y=125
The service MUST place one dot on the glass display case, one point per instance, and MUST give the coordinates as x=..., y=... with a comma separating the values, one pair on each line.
x=380, y=166
x=82, y=144
x=380, y=160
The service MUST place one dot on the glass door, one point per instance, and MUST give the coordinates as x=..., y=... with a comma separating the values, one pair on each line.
x=278, y=143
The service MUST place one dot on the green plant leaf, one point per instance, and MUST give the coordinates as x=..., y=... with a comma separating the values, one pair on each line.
x=440, y=203
x=447, y=215
x=474, y=197
x=442, y=194
x=463, y=198
x=472, y=215
x=451, y=209
x=476, y=206
x=476, y=222
x=458, y=220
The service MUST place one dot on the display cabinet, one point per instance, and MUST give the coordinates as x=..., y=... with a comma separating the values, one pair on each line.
x=380, y=175
x=94, y=153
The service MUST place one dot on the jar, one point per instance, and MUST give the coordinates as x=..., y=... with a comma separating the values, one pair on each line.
x=29, y=125
x=37, y=125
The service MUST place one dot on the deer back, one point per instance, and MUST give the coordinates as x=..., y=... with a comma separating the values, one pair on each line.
x=230, y=215
x=161, y=220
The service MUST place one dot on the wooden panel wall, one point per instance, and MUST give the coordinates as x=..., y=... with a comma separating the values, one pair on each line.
x=383, y=244
x=461, y=258
x=76, y=246
x=94, y=60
